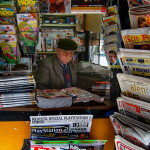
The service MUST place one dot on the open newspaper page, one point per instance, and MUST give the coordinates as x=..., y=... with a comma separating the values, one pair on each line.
x=134, y=86
x=135, y=62
x=79, y=125
x=134, y=131
x=121, y=143
x=135, y=109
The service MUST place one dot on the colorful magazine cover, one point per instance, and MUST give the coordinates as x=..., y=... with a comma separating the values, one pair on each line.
x=8, y=45
x=139, y=16
x=136, y=38
x=7, y=29
x=112, y=10
x=111, y=30
x=27, y=6
x=135, y=62
x=7, y=12
x=132, y=3
x=29, y=38
x=134, y=86
x=7, y=3
x=121, y=143
x=80, y=125
x=111, y=55
x=7, y=20
x=27, y=22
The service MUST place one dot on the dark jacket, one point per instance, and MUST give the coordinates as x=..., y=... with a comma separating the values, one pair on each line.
x=49, y=74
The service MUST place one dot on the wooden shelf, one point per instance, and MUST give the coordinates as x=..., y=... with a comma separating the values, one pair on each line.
x=58, y=25
x=57, y=14
x=50, y=52
x=100, y=106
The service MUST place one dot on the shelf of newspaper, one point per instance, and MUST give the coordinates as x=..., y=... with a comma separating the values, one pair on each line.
x=132, y=130
x=135, y=109
x=121, y=143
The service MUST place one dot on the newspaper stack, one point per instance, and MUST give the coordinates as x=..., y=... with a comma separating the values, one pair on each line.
x=132, y=130
x=67, y=145
x=135, y=61
x=17, y=91
x=60, y=127
x=121, y=143
x=134, y=86
x=135, y=109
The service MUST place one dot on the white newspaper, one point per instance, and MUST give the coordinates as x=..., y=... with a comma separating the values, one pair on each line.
x=132, y=130
x=122, y=144
x=77, y=123
x=135, y=109
x=135, y=62
x=134, y=86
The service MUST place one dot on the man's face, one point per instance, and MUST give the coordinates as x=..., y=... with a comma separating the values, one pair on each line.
x=112, y=57
x=65, y=56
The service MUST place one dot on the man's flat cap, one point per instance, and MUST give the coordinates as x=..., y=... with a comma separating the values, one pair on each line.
x=67, y=44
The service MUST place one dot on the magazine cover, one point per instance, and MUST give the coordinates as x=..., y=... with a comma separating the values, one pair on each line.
x=136, y=38
x=132, y=3
x=134, y=131
x=7, y=12
x=29, y=38
x=49, y=44
x=112, y=10
x=27, y=6
x=121, y=143
x=27, y=22
x=139, y=19
x=111, y=55
x=80, y=125
x=134, y=86
x=9, y=47
x=7, y=20
x=135, y=62
x=7, y=29
x=7, y=3
x=135, y=109
x=111, y=30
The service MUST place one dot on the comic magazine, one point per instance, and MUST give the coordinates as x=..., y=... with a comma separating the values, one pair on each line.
x=8, y=45
x=7, y=20
x=121, y=143
x=134, y=86
x=27, y=22
x=134, y=108
x=132, y=3
x=111, y=55
x=111, y=30
x=112, y=10
x=7, y=29
x=140, y=16
x=79, y=125
x=132, y=130
x=135, y=62
x=29, y=38
x=7, y=12
x=27, y=6
x=7, y=3
x=137, y=38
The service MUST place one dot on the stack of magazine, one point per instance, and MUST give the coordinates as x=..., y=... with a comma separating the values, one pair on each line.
x=17, y=91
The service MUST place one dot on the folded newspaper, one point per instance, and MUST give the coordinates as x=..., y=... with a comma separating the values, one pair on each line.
x=134, y=61
x=134, y=86
x=68, y=145
x=135, y=109
x=60, y=126
x=132, y=130
x=52, y=98
x=122, y=144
